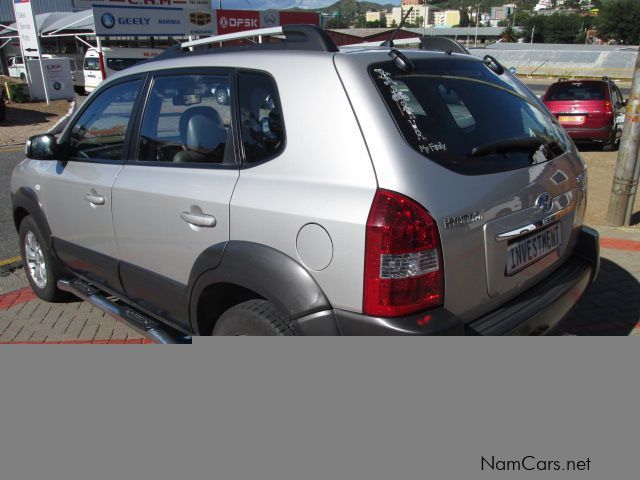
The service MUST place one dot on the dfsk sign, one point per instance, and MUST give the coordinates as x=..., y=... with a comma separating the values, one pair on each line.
x=231, y=21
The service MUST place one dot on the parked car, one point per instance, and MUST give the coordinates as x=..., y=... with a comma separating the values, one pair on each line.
x=590, y=110
x=369, y=191
x=114, y=60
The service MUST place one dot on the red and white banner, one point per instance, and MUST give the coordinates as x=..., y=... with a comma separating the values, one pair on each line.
x=231, y=21
x=290, y=18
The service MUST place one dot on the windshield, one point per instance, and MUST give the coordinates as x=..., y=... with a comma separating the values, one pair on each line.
x=91, y=64
x=451, y=109
x=568, y=91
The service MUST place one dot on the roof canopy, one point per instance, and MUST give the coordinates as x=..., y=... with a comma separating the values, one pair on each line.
x=43, y=22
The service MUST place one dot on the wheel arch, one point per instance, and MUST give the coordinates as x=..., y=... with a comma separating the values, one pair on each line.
x=26, y=202
x=247, y=271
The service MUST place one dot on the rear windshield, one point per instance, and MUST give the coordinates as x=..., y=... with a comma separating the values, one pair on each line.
x=576, y=91
x=462, y=115
x=118, y=64
x=91, y=64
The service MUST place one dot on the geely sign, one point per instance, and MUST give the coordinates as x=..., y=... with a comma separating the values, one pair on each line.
x=108, y=20
x=153, y=20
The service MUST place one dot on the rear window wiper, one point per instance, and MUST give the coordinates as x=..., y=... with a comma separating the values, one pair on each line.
x=520, y=144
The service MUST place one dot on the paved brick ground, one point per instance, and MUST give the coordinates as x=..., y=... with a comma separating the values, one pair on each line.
x=611, y=306
x=27, y=319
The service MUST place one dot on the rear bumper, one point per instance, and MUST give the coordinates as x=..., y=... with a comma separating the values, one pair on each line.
x=536, y=311
x=581, y=133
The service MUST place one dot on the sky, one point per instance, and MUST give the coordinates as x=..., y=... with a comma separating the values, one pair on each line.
x=282, y=4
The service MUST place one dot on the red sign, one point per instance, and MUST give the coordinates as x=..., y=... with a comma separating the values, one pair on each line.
x=230, y=21
x=290, y=18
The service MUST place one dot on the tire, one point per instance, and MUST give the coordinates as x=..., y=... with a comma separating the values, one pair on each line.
x=222, y=97
x=611, y=144
x=255, y=317
x=23, y=77
x=42, y=269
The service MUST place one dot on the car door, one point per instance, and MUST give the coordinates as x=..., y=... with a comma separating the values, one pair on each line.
x=171, y=200
x=77, y=188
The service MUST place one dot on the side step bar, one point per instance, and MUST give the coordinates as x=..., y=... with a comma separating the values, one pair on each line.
x=142, y=324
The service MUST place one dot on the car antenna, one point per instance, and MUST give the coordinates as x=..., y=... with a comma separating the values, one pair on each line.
x=389, y=43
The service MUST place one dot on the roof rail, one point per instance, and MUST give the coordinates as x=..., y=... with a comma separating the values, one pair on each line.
x=401, y=41
x=297, y=37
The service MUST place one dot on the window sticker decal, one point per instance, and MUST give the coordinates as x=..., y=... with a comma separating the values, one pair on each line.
x=402, y=100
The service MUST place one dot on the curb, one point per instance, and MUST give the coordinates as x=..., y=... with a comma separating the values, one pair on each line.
x=52, y=130
x=72, y=107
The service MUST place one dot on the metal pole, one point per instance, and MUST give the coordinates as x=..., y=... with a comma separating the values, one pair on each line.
x=625, y=180
x=103, y=71
x=44, y=80
x=533, y=30
x=477, y=23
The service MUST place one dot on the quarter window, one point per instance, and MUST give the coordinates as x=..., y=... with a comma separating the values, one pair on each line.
x=100, y=131
x=261, y=124
x=187, y=120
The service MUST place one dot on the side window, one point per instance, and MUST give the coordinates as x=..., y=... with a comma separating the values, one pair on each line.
x=187, y=120
x=619, y=98
x=261, y=125
x=99, y=133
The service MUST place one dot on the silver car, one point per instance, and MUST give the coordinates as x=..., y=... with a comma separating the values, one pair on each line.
x=363, y=191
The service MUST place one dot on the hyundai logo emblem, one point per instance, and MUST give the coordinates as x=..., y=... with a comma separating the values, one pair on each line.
x=543, y=202
x=108, y=20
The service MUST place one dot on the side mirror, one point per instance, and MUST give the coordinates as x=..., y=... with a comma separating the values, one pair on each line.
x=41, y=147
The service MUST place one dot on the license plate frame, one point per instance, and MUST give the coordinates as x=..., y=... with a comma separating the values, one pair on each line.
x=572, y=118
x=541, y=242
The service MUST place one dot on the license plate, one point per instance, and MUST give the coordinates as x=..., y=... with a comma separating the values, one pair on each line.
x=532, y=248
x=571, y=118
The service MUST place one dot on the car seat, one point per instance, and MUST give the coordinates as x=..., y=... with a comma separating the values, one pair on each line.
x=203, y=136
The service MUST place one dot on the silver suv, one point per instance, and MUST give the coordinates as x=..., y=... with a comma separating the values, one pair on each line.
x=354, y=191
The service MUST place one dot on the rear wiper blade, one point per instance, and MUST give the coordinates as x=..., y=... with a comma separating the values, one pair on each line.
x=521, y=144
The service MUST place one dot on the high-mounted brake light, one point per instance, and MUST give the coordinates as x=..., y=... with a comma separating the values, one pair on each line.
x=403, y=258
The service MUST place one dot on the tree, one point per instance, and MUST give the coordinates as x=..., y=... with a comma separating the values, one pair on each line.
x=557, y=28
x=464, y=17
x=618, y=20
x=509, y=35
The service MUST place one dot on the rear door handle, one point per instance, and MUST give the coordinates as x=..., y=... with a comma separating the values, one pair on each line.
x=94, y=199
x=199, y=219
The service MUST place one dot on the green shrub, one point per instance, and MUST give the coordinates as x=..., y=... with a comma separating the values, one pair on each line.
x=18, y=92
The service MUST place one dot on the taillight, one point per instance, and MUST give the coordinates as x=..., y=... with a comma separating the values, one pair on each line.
x=403, y=271
x=608, y=109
